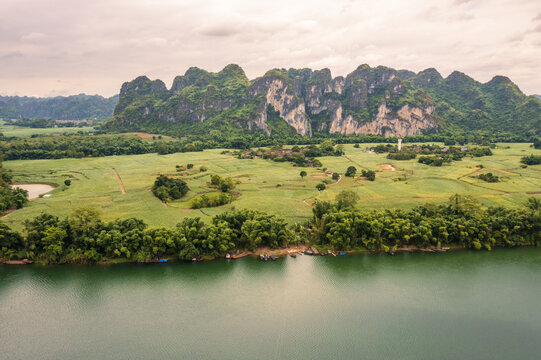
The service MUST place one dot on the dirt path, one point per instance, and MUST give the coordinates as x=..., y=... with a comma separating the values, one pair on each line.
x=7, y=213
x=119, y=182
x=356, y=163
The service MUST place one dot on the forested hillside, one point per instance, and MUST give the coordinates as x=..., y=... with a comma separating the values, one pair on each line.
x=76, y=107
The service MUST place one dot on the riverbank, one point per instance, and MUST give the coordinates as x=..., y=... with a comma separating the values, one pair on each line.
x=278, y=253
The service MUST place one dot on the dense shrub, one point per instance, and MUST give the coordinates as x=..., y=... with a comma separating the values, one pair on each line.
x=166, y=189
x=531, y=160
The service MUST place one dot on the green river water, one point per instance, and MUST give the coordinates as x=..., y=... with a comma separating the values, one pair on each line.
x=457, y=305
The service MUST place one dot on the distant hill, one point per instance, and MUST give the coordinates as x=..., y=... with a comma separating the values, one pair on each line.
x=76, y=107
x=538, y=96
x=369, y=100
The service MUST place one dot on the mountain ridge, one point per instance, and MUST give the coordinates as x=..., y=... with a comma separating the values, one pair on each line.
x=369, y=100
x=73, y=107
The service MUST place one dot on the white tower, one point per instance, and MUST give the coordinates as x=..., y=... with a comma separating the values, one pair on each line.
x=399, y=144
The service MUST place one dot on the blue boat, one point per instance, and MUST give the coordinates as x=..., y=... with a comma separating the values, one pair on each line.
x=342, y=253
x=162, y=260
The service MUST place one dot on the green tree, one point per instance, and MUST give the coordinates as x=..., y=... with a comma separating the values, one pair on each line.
x=67, y=182
x=534, y=203
x=351, y=171
x=347, y=199
x=84, y=222
x=302, y=174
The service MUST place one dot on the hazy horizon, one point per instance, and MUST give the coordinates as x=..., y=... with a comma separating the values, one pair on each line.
x=63, y=47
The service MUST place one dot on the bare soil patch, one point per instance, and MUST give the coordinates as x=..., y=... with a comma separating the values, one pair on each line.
x=119, y=182
x=34, y=190
x=386, y=167
x=142, y=135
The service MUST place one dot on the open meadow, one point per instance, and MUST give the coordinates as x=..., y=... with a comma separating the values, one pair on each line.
x=272, y=187
x=23, y=131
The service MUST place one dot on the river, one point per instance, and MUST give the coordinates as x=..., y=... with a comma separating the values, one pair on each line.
x=457, y=305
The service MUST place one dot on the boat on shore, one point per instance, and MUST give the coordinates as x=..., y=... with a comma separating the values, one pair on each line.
x=197, y=259
x=17, y=262
x=241, y=255
x=228, y=256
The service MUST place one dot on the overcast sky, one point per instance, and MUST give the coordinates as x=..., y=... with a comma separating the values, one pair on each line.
x=63, y=47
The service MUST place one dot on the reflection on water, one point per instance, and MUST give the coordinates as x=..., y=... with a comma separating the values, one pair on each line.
x=463, y=304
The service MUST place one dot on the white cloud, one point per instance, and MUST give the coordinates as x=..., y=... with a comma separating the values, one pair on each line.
x=94, y=46
x=33, y=36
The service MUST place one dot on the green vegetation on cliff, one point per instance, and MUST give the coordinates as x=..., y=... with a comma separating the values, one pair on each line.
x=284, y=102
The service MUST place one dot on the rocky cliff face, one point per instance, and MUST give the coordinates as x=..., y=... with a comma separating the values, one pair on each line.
x=277, y=92
x=305, y=100
x=369, y=100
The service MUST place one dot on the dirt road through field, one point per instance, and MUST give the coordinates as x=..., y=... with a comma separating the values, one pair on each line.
x=119, y=182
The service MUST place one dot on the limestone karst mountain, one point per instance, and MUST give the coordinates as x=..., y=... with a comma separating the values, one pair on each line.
x=378, y=100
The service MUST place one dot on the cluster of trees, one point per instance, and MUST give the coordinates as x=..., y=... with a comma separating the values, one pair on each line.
x=299, y=156
x=435, y=160
x=488, y=177
x=83, y=237
x=370, y=175
x=537, y=143
x=402, y=155
x=10, y=198
x=78, y=146
x=531, y=160
x=351, y=171
x=212, y=200
x=460, y=222
x=166, y=188
x=440, y=155
x=225, y=196
x=45, y=123
x=223, y=184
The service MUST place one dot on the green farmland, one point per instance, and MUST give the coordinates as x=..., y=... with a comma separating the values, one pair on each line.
x=272, y=187
x=23, y=131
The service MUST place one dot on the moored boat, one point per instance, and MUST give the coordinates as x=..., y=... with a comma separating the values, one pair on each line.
x=18, y=262
x=197, y=259
x=228, y=256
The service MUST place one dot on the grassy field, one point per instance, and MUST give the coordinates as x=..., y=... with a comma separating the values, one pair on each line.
x=21, y=131
x=94, y=183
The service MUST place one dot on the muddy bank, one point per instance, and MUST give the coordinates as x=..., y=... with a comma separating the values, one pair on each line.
x=34, y=190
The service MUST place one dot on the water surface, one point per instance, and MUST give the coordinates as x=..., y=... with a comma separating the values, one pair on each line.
x=459, y=305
